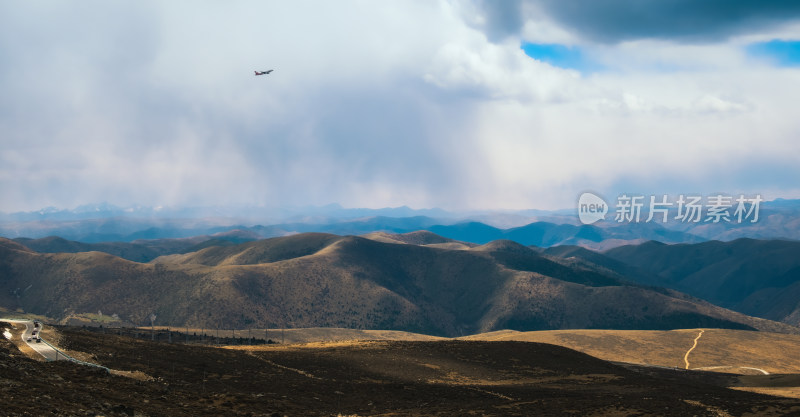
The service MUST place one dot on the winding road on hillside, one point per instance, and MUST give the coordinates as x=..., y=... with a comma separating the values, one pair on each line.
x=709, y=368
x=48, y=352
x=696, y=339
x=686, y=356
x=42, y=348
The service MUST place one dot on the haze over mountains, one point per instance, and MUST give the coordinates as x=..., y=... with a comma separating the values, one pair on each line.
x=779, y=219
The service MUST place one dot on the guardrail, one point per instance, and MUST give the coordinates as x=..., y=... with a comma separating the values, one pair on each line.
x=59, y=351
x=70, y=358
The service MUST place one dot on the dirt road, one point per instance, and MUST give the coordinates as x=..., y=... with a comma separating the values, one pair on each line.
x=686, y=356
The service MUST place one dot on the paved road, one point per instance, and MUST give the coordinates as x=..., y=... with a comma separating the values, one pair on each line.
x=41, y=348
x=48, y=352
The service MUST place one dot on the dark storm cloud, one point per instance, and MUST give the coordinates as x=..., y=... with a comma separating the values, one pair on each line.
x=501, y=18
x=612, y=21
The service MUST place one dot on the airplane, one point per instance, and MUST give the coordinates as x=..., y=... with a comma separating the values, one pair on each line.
x=262, y=72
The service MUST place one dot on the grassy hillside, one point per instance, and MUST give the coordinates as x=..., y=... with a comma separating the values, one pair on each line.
x=630, y=272
x=367, y=378
x=319, y=280
x=756, y=277
x=421, y=238
x=54, y=244
x=257, y=252
x=723, y=350
x=138, y=250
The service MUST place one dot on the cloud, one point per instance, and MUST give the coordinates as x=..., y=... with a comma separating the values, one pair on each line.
x=500, y=19
x=615, y=21
x=398, y=103
x=157, y=104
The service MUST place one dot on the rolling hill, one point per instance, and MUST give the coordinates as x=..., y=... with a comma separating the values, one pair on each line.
x=138, y=250
x=322, y=280
x=755, y=277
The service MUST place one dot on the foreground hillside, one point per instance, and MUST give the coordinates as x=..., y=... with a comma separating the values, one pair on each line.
x=321, y=280
x=733, y=351
x=365, y=378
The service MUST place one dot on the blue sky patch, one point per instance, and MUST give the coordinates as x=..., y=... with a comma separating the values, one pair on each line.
x=557, y=55
x=782, y=53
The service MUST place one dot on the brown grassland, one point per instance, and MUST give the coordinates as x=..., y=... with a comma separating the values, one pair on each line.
x=399, y=377
x=730, y=350
x=745, y=353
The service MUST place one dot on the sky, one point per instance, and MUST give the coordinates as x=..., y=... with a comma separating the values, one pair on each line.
x=450, y=104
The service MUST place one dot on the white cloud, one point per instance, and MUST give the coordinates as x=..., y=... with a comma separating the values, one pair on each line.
x=499, y=71
x=369, y=104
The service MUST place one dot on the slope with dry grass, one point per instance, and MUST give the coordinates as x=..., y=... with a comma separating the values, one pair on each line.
x=409, y=378
x=721, y=350
x=757, y=277
x=314, y=280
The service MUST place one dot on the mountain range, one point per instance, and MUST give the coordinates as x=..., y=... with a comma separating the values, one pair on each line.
x=145, y=245
x=778, y=219
x=417, y=282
